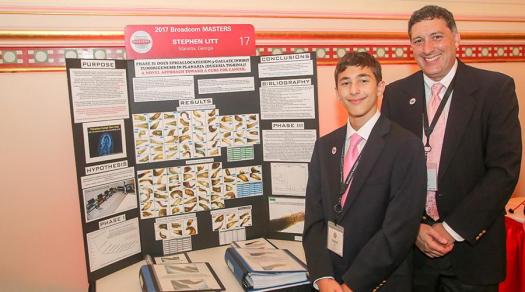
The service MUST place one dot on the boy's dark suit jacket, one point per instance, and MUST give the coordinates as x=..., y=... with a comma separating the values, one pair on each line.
x=479, y=167
x=381, y=215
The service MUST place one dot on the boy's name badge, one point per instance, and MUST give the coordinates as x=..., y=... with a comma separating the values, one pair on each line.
x=335, y=237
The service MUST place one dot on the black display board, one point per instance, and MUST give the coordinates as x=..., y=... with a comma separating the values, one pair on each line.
x=194, y=144
x=105, y=175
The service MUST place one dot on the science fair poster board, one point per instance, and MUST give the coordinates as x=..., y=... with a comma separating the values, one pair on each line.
x=189, y=153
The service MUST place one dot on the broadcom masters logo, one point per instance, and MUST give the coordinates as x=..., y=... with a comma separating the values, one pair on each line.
x=141, y=42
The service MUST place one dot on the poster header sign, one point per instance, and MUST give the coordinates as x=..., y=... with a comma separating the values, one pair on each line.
x=189, y=40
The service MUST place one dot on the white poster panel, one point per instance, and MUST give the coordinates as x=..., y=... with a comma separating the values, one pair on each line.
x=98, y=91
x=163, y=88
x=287, y=99
x=288, y=145
x=289, y=179
x=114, y=243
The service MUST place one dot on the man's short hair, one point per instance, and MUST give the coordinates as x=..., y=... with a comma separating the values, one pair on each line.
x=430, y=12
x=358, y=59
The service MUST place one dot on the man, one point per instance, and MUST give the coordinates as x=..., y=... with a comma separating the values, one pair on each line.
x=363, y=207
x=467, y=119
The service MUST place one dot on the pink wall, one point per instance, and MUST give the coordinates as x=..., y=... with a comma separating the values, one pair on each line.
x=41, y=246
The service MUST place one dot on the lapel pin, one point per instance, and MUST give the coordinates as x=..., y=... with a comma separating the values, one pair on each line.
x=334, y=150
x=412, y=101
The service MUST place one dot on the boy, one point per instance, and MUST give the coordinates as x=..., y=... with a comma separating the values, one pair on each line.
x=365, y=193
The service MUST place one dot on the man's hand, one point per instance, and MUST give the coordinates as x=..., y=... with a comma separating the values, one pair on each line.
x=432, y=242
x=329, y=285
x=438, y=227
x=346, y=288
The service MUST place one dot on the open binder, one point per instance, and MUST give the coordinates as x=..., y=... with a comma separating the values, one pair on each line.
x=179, y=277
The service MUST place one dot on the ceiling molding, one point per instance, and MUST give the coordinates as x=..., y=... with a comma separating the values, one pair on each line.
x=246, y=13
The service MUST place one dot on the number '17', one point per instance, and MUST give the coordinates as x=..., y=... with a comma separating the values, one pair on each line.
x=245, y=41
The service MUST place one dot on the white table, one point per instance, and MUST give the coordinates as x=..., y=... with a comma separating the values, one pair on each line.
x=127, y=279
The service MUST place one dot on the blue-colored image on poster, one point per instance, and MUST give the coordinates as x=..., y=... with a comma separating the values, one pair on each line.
x=104, y=140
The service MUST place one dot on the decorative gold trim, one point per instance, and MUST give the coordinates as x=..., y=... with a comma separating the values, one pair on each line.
x=261, y=35
x=45, y=50
x=324, y=35
x=31, y=69
x=60, y=35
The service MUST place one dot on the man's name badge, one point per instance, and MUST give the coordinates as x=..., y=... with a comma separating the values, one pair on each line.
x=334, y=240
x=431, y=176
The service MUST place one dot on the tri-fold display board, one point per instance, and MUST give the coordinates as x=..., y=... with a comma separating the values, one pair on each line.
x=183, y=154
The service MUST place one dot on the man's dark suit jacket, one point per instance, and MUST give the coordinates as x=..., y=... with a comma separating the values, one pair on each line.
x=479, y=166
x=382, y=212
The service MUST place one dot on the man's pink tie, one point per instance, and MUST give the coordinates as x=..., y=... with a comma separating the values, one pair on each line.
x=350, y=157
x=436, y=142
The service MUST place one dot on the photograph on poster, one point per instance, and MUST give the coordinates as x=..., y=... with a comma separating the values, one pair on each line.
x=286, y=214
x=194, y=188
x=231, y=218
x=108, y=199
x=104, y=140
x=162, y=136
x=176, y=227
